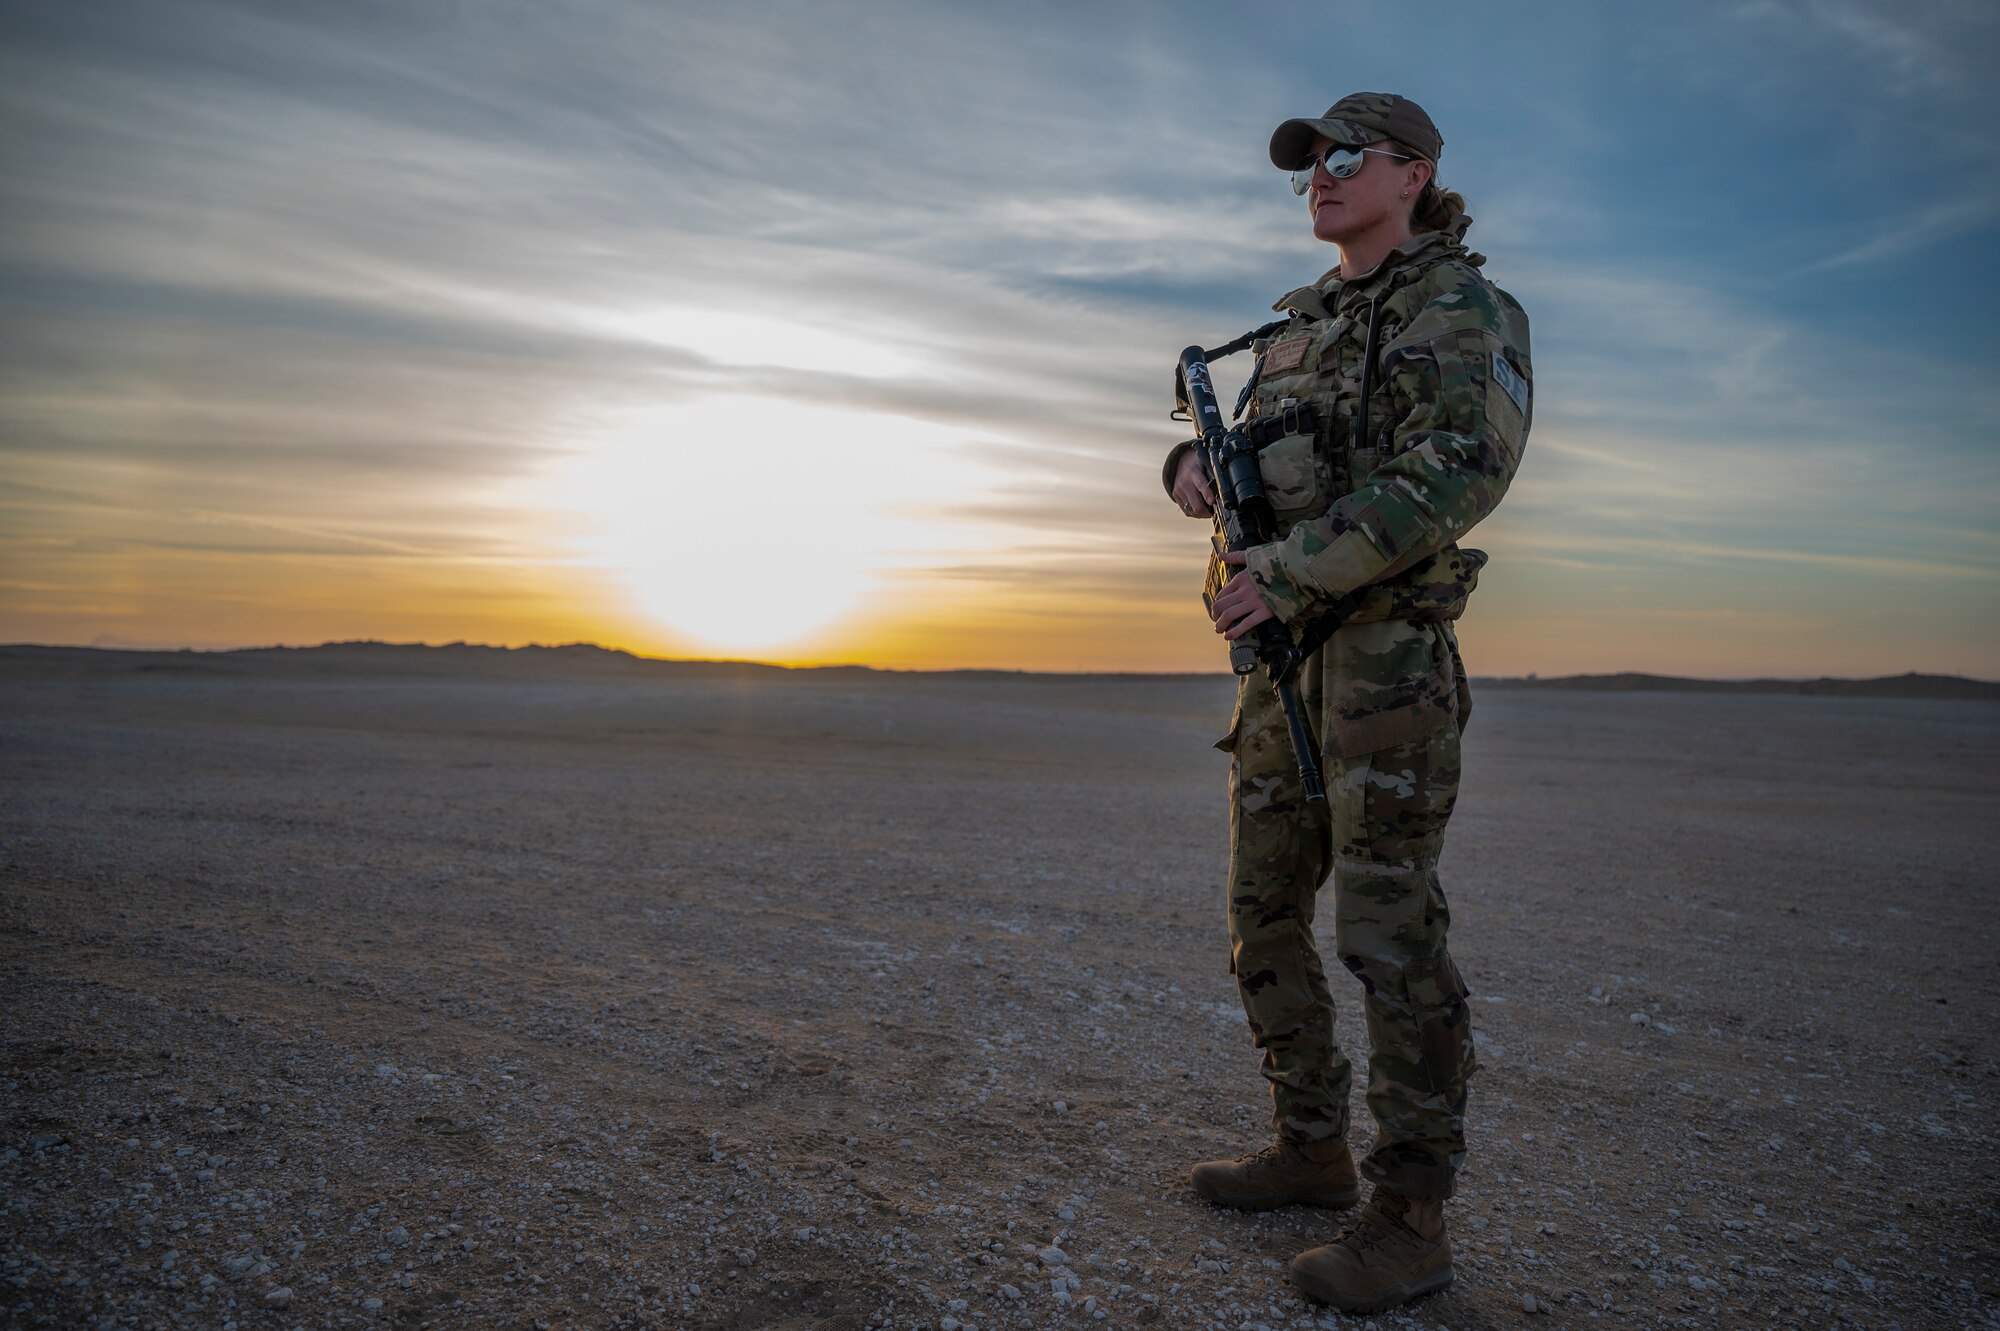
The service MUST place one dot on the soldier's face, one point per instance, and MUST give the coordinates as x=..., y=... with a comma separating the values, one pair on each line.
x=1370, y=198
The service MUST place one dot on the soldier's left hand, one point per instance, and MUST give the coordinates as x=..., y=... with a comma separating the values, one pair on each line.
x=1239, y=606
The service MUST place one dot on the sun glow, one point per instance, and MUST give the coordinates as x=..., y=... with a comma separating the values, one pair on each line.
x=746, y=525
x=738, y=339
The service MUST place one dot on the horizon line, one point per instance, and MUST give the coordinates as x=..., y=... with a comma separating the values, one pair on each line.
x=1530, y=677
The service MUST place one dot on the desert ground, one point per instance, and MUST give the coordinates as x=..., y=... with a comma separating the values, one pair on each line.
x=387, y=988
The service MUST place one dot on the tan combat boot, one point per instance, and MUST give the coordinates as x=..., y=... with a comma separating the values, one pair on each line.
x=1315, y=1173
x=1392, y=1252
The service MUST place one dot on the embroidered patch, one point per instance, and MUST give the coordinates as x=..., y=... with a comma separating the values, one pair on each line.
x=1286, y=355
x=1511, y=382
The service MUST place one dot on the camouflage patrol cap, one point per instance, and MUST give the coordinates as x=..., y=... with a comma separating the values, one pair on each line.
x=1361, y=117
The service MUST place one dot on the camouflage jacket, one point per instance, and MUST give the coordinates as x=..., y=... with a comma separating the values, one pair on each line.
x=1374, y=521
x=1449, y=407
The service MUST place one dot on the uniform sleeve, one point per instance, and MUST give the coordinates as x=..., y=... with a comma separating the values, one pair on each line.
x=1460, y=371
x=1173, y=464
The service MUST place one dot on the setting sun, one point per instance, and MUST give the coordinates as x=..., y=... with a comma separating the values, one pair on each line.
x=749, y=524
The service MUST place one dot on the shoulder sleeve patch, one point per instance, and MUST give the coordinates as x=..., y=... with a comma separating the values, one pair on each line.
x=1510, y=381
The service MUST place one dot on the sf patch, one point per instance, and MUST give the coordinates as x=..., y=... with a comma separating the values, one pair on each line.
x=1511, y=382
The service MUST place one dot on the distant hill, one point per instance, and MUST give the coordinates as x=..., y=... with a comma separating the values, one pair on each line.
x=585, y=660
x=369, y=658
x=1912, y=685
x=456, y=660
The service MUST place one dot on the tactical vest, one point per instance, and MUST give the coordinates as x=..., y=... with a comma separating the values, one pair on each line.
x=1316, y=360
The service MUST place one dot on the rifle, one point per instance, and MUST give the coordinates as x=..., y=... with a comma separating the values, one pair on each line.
x=1243, y=518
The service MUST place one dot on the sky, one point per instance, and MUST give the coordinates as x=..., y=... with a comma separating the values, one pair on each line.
x=829, y=332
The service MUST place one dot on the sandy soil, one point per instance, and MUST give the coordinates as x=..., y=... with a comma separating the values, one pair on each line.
x=364, y=996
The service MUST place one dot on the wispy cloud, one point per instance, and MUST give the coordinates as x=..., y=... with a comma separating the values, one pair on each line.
x=1946, y=219
x=1895, y=39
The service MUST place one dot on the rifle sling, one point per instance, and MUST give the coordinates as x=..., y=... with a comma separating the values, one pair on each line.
x=1231, y=348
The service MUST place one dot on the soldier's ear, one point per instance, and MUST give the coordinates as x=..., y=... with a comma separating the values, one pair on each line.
x=1421, y=174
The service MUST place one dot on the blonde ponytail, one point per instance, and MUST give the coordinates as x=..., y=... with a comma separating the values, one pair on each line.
x=1435, y=209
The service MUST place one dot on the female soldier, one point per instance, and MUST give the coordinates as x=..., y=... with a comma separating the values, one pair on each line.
x=1416, y=369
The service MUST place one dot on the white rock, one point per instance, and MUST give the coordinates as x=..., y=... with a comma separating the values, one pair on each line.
x=1053, y=1256
x=280, y=1297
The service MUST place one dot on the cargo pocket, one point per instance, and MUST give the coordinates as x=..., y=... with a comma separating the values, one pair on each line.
x=1395, y=685
x=1292, y=477
x=1444, y=1023
x=1228, y=742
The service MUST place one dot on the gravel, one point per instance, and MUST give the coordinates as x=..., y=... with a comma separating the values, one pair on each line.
x=341, y=995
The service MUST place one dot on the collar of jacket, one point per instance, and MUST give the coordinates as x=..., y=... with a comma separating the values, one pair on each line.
x=1422, y=250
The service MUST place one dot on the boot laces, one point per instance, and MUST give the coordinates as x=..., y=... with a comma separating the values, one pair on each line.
x=1375, y=1226
x=1365, y=1235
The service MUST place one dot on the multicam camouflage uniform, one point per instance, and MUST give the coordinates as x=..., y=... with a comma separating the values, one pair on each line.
x=1377, y=517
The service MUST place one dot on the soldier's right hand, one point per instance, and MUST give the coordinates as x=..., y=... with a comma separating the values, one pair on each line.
x=1192, y=490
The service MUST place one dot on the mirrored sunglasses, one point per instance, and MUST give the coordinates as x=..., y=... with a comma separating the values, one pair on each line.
x=1340, y=164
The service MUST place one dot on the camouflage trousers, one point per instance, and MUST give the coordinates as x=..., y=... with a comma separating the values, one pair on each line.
x=1379, y=834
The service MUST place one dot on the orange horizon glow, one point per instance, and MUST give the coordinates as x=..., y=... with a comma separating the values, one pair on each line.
x=979, y=597
x=835, y=569
x=1120, y=639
